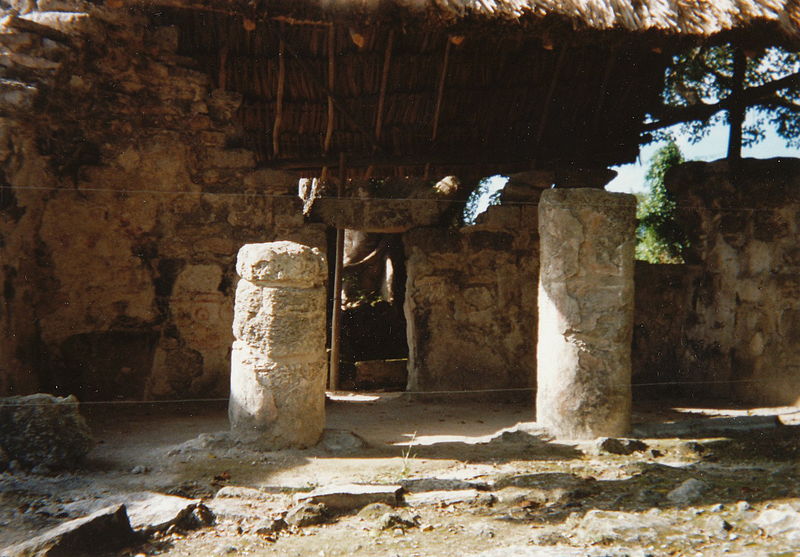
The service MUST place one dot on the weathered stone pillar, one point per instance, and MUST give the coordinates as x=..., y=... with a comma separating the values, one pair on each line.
x=278, y=364
x=585, y=312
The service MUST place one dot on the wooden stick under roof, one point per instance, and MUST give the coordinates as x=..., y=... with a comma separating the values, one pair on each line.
x=276, y=126
x=440, y=91
x=331, y=83
x=311, y=75
x=548, y=103
x=387, y=62
x=336, y=317
x=601, y=97
x=223, y=63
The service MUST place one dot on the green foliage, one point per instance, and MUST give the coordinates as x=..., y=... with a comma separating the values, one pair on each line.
x=473, y=206
x=704, y=75
x=659, y=238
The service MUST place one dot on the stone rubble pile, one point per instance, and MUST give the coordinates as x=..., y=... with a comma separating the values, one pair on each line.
x=42, y=432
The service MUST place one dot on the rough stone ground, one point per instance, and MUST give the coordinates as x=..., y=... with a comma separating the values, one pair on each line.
x=470, y=488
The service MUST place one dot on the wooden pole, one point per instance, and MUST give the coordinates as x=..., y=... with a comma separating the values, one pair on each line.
x=387, y=62
x=276, y=127
x=440, y=91
x=331, y=83
x=336, y=313
x=601, y=98
x=223, y=59
x=738, y=107
x=548, y=103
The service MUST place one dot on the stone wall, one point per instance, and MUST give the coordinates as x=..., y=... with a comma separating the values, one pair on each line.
x=663, y=301
x=471, y=303
x=741, y=333
x=124, y=201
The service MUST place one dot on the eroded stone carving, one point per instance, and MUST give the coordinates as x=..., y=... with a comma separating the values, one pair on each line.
x=278, y=359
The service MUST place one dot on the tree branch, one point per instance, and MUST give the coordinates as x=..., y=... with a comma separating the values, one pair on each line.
x=751, y=96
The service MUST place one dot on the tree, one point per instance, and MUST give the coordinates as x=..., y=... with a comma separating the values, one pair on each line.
x=709, y=84
x=485, y=195
x=659, y=238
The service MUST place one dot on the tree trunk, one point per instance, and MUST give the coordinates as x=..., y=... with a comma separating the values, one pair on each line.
x=738, y=107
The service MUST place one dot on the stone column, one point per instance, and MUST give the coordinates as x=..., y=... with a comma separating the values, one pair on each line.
x=278, y=364
x=585, y=312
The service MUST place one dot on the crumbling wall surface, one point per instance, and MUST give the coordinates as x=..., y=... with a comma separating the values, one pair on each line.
x=663, y=302
x=124, y=202
x=471, y=303
x=742, y=333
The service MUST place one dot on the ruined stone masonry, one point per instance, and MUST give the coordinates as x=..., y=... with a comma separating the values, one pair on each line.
x=740, y=336
x=125, y=196
x=470, y=304
x=278, y=363
x=585, y=312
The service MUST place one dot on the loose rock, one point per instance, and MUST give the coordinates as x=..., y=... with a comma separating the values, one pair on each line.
x=612, y=526
x=342, y=441
x=147, y=511
x=104, y=530
x=43, y=430
x=308, y=514
x=618, y=446
x=781, y=522
x=270, y=526
x=402, y=520
x=444, y=498
x=688, y=492
x=353, y=496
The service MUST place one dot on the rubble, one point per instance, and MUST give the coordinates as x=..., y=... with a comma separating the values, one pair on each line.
x=42, y=431
x=106, y=529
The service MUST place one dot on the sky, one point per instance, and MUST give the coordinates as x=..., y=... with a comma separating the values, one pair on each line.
x=630, y=178
x=714, y=146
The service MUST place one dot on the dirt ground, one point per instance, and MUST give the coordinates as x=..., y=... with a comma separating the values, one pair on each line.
x=479, y=479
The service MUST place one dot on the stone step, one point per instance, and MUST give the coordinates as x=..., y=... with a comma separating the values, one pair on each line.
x=347, y=497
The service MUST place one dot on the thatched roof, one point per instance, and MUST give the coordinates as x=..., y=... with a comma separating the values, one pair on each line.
x=463, y=86
x=673, y=17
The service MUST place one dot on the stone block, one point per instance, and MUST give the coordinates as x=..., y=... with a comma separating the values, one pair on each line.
x=284, y=264
x=148, y=511
x=223, y=104
x=106, y=530
x=43, y=430
x=272, y=181
x=353, y=496
x=389, y=216
x=229, y=158
x=69, y=23
x=16, y=96
x=382, y=373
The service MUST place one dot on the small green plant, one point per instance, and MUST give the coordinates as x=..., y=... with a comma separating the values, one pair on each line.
x=408, y=456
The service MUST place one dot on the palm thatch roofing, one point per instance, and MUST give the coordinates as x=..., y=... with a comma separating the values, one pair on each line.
x=472, y=87
x=682, y=17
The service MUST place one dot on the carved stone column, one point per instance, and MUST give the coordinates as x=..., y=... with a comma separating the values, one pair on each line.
x=585, y=312
x=278, y=361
